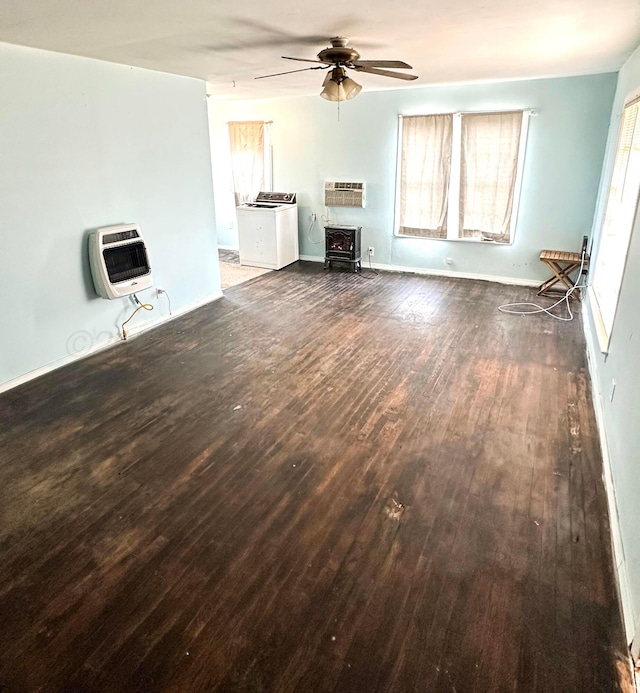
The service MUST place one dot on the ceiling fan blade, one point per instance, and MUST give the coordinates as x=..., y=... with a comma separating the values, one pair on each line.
x=383, y=63
x=277, y=33
x=384, y=73
x=304, y=60
x=244, y=33
x=304, y=69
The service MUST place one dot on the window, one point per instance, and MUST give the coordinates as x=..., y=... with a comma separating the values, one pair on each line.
x=250, y=159
x=459, y=175
x=617, y=223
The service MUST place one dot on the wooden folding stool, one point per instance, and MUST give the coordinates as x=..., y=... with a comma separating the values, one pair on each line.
x=563, y=264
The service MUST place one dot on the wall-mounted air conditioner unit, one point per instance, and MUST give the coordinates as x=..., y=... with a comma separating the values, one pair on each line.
x=340, y=194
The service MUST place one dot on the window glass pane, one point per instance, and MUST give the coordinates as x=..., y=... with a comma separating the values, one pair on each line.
x=489, y=163
x=424, y=175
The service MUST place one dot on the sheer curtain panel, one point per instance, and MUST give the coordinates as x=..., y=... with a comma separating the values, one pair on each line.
x=247, y=139
x=489, y=163
x=425, y=168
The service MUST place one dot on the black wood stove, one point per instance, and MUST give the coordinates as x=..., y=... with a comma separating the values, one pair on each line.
x=342, y=244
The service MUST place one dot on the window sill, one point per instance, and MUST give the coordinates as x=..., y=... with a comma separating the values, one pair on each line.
x=454, y=240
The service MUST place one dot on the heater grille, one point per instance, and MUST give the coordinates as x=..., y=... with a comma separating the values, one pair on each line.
x=344, y=194
x=126, y=262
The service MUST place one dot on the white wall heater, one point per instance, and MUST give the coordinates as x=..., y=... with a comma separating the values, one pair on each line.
x=119, y=261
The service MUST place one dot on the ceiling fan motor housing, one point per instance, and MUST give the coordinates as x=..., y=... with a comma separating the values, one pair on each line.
x=339, y=53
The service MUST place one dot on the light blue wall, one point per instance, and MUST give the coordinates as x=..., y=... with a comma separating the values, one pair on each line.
x=562, y=167
x=622, y=364
x=85, y=144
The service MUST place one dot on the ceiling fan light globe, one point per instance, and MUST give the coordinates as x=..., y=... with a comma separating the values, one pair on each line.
x=351, y=88
x=333, y=91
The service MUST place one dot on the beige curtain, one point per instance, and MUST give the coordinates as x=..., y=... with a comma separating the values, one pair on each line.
x=425, y=168
x=247, y=159
x=490, y=144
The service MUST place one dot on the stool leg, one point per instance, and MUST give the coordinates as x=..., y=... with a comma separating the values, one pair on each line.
x=560, y=275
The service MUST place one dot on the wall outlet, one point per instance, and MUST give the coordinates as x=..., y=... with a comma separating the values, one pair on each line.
x=159, y=292
x=314, y=216
x=371, y=251
x=448, y=261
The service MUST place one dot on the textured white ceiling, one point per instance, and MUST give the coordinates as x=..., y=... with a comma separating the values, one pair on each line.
x=230, y=43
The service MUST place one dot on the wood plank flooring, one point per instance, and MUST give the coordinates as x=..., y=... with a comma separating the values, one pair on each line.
x=321, y=482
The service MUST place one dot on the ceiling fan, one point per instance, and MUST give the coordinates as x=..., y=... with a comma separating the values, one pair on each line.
x=338, y=86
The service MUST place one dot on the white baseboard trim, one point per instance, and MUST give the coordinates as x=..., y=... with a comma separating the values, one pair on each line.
x=145, y=327
x=132, y=333
x=517, y=281
x=621, y=575
x=227, y=247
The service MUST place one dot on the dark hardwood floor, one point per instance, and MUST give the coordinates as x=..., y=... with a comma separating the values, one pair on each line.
x=321, y=482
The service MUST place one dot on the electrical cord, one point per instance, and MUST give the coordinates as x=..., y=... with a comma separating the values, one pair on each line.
x=326, y=218
x=311, y=223
x=364, y=276
x=506, y=308
x=163, y=292
x=370, y=267
x=146, y=306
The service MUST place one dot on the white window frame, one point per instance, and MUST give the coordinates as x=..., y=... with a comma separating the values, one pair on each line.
x=604, y=314
x=453, y=196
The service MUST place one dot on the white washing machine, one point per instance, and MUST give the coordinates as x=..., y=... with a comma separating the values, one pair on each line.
x=268, y=230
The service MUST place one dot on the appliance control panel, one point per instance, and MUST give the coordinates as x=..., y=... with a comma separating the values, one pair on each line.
x=277, y=197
